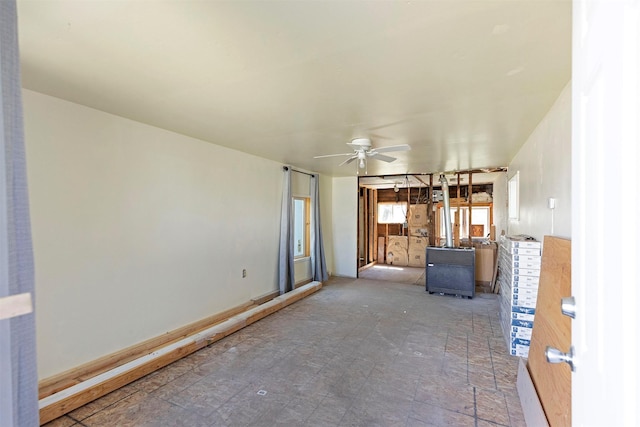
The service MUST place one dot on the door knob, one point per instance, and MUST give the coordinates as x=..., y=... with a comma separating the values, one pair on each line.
x=568, y=306
x=554, y=355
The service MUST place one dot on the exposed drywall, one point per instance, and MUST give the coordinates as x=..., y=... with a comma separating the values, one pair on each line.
x=138, y=231
x=544, y=163
x=345, y=224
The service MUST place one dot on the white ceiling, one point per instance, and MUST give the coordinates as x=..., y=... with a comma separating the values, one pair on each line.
x=463, y=82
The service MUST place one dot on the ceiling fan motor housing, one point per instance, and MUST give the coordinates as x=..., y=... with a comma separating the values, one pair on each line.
x=362, y=142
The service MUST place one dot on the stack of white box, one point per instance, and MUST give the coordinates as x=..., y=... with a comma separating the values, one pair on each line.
x=519, y=265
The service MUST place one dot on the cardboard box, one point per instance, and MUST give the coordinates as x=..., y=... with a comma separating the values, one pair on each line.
x=526, y=272
x=526, y=251
x=520, y=352
x=522, y=323
x=524, y=291
x=523, y=310
x=522, y=333
x=522, y=316
x=485, y=259
x=524, y=302
x=510, y=258
x=519, y=242
x=532, y=265
x=515, y=281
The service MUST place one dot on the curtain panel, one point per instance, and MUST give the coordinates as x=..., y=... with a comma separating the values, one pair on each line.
x=318, y=261
x=18, y=376
x=286, y=273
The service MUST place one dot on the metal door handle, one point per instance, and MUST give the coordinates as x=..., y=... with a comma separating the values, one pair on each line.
x=554, y=355
x=568, y=306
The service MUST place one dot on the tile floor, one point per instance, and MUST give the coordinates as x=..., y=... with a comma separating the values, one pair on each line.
x=357, y=353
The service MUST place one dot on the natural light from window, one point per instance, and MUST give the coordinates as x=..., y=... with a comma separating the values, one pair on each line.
x=392, y=213
x=300, y=227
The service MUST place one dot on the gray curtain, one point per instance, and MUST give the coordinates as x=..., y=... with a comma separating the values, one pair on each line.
x=286, y=267
x=318, y=261
x=18, y=376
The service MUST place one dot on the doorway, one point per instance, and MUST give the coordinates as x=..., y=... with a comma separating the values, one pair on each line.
x=400, y=216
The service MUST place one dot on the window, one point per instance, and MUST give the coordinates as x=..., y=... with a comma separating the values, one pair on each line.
x=480, y=221
x=301, y=239
x=392, y=213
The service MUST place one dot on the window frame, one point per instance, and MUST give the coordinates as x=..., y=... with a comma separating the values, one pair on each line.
x=306, y=251
x=403, y=206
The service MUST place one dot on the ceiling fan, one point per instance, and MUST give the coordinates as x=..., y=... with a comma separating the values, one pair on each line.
x=362, y=150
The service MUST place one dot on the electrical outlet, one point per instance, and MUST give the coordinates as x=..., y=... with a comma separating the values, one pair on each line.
x=244, y=273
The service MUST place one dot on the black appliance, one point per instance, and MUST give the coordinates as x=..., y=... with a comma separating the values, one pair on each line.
x=451, y=271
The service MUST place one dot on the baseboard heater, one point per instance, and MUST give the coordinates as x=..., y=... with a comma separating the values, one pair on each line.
x=451, y=271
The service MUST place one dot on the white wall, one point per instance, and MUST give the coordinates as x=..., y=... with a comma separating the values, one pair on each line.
x=138, y=231
x=544, y=162
x=500, y=213
x=345, y=226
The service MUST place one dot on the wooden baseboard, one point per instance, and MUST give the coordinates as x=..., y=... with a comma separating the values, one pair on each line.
x=72, y=389
x=266, y=297
x=364, y=267
x=63, y=380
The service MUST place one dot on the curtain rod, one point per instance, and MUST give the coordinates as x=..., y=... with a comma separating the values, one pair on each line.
x=295, y=170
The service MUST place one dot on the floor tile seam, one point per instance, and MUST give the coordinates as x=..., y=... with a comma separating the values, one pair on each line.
x=494, y=422
x=191, y=410
x=320, y=405
x=493, y=369
x=475, y=408
x=345, y=413
x=192, y=370
x=406, y=337
x=79, y=420
x=431, y=403
x=291, y=401
x=509, y=408
x=224, y=402
x=468, y=365
x=78, y=423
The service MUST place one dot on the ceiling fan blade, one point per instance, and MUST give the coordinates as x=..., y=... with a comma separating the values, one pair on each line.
x=333, y=155
x=382, y=157
x=349, y=160
x=401, y=147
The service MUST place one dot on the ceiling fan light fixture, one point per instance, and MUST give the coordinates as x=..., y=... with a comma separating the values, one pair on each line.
x=361, y=164
x=395, y=188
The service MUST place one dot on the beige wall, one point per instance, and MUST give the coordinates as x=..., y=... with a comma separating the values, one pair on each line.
x=544, y=163
x=138, y=231
x=345, y=226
